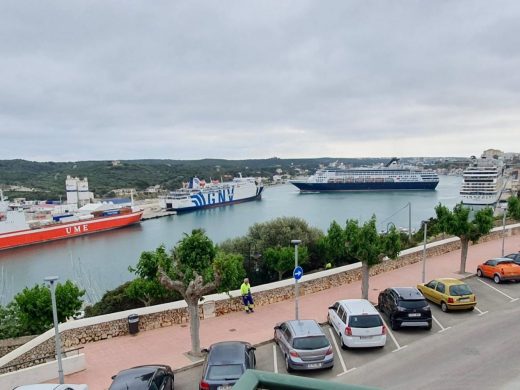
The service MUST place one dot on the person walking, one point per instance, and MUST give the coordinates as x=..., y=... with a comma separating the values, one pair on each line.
x=247, y=298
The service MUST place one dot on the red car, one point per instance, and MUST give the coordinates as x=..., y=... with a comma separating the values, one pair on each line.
x=499, y=269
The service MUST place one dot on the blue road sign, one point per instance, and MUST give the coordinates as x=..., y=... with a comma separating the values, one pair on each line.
x=298, y=273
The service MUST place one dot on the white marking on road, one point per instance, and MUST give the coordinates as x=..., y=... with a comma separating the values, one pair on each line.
x=480, y=311
x=275, y=358
x=393, y=338
x=346, y=372
x=438, y=323
x=497, y=290
x=338, y=353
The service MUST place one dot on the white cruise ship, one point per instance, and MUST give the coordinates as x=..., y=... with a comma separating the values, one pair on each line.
x=483, y=182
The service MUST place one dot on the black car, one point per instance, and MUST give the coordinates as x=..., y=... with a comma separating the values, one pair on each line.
x=405, y=306
x=515, y=257
x=149, y=377
x=225, y=363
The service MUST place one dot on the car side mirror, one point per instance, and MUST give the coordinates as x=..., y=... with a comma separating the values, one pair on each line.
x=331, y=307
x=114, y=377
x=252, y=348
x=277, y=327
x=204, y=350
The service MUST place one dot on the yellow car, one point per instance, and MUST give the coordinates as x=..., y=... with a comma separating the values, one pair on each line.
x=451, y=294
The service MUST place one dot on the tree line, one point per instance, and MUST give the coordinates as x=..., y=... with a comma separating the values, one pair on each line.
x=196, y=266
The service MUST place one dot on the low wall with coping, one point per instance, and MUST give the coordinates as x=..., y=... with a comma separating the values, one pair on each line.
x=87, y=330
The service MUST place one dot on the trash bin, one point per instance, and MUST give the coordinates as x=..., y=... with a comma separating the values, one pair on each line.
x=133, y=323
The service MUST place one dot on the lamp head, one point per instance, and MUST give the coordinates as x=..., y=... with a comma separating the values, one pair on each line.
x=296, y=242
x=51, y=279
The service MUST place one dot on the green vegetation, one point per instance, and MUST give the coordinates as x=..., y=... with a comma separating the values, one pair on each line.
x=460, y=224
x=197, y=268
x=513, y=207
x=30, y=312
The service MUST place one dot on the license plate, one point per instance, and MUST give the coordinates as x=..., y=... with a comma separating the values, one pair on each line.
x=463, y=299
x=365, y=337
x=414, y=315
x=314, y=365
x=224, y=387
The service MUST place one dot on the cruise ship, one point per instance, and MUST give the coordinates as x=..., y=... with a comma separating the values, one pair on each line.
x=389, y=177
x=197, y=194
x=483, y=182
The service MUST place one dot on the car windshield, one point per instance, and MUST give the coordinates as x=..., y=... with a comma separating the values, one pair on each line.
x=460, y=289
x=365, y=321
x=414, y=304
x=312, y=342
x=225, y=372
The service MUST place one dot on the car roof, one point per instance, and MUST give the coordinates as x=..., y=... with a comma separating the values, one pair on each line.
x=501, y=259
x=408, y=292
x=227, y=352
x=449, y=281
x=305, y=328
x=136, y=378
x=358, y=306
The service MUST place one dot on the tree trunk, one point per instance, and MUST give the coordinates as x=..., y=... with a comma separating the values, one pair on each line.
x=464, y=244
x=364, y=279
x=193, y=310
x=280, y=275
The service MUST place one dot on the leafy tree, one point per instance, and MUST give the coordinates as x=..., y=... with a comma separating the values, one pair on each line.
x=147, y=288
x=282, y=259
x=113, y=301
x=513, y=207
x=369, y=247
x=35, y=306
x=458, y=223
x=9, y=322
x=196, y=269
x=335, y=244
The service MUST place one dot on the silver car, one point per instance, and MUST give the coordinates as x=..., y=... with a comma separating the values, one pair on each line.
x=303, y=344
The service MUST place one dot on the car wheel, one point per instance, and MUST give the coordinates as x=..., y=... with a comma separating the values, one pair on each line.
x=287, y=365
x=496, y=279
x=471, y=308
x=479, y=272
x=343, y=345
x=328, y=320
x=444, y=307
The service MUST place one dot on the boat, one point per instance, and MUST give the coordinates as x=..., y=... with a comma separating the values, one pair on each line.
x=16, y=229
x=197, y=194
x=389, y=177
x=483, y=182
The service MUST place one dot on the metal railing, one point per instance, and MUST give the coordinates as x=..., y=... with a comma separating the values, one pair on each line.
x=40, y=360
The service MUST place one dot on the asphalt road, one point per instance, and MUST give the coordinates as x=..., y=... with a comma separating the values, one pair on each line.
x=477, y=349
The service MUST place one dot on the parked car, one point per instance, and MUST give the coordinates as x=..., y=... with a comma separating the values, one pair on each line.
x=52, y=386
x=514, y=256
x=148, y=377
x=405, y=306
x=303, y=344
x=357, y=323
x=225, y=363
x=499, y=269
x=449, y=293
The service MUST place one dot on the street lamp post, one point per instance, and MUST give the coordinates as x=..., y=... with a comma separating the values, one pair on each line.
x=51, y=280
x=296, y=291
x=504, y=229
x=425, y=225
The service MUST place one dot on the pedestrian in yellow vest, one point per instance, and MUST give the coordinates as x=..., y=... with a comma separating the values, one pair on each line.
x=247, y=299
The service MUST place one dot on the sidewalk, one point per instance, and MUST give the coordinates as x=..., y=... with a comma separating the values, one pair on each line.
x=168, y=345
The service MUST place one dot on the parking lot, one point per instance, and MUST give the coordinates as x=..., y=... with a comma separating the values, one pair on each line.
x=491, y=298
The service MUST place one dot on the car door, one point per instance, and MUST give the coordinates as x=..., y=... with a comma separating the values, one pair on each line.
x=428, y=290
x=439, y=294
x=284, y=338
x=488, y=268
x=383, y=301
x=333, y=315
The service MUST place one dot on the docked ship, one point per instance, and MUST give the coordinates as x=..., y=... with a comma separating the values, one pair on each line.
x=197, y=194
x=483, y=182
x=17, y=228
x=389, y=177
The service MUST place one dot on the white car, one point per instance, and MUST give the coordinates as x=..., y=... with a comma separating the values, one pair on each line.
x=358, y=323
x=51, y=386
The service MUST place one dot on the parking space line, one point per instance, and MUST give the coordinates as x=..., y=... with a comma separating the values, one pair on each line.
x=338, y=353
x=275, y=359
x=497, y=290
x=438, y=323
x=393, y=338
x=480, y=311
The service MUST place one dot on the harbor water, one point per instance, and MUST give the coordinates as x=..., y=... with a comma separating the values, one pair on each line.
x=99, y=262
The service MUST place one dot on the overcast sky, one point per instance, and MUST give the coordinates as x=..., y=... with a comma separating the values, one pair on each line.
x=103, y=80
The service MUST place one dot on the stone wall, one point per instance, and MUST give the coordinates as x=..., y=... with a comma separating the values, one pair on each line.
x=106, y=327
x=9, y=345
